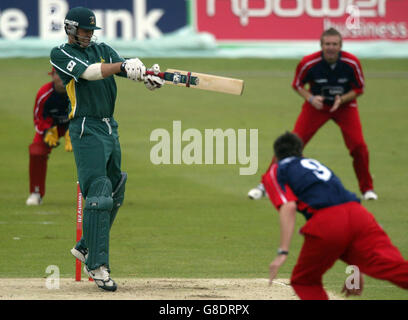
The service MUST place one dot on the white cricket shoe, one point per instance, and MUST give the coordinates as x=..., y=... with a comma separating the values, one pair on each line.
x=102, y=278
x=80, y=254
x=370, y=195
x=34, y=199
x=257, y=193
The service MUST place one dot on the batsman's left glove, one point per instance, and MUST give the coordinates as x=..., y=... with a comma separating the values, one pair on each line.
x=68, y=145
x=134, y=68
x=153, y=82
x=51, y=137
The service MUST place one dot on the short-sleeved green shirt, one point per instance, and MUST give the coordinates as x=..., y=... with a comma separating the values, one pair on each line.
x=87, y=98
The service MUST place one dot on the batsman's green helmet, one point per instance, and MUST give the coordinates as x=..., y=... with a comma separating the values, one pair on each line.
x=80, y=17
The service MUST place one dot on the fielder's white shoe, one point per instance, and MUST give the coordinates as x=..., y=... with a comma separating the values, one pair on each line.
x=370, y=195
x=34, y=199
x=257, y=193
x=80, y=254
x=102, y=278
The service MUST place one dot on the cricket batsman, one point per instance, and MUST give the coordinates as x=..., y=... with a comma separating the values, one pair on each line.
x=51, y=123
x=87, y=69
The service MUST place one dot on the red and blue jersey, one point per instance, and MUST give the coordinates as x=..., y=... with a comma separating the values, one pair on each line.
x=330, y=80
x=307, y=182
x=50, y=108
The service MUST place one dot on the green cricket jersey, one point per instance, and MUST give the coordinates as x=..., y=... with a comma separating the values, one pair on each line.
x=87, y=98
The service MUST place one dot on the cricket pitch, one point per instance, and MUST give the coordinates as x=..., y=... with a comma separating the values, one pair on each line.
x=150, y=289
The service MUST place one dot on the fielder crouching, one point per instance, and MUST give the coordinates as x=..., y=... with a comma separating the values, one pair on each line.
x=51, y=123
x=338, y=227
x=87, y=70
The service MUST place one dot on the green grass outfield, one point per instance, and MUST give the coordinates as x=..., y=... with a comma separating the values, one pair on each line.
x=196, y=221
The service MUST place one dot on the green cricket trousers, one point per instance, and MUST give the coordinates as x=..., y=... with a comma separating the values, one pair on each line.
x=97, y=154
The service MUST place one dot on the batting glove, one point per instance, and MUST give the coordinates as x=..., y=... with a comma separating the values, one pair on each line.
x=68, y=145
x=134, y=68
x=51, y=137
x=153, y=82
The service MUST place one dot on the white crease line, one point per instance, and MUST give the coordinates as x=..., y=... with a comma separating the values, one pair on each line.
x=280, y=283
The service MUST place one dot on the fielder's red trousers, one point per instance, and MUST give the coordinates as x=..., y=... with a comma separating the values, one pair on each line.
x=350, y=233
x=347, y=118
x=39, y=152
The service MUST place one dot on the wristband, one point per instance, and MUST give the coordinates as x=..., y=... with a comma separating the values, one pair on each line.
x=284, y=252
x=310, y=100
x=122, y=67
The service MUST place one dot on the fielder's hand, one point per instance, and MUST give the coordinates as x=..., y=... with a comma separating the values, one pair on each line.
x=51, y=137
x=337, y=102
x=316, y=101
x=153, y=82
x=134, y=68
x=275, y=265
x=68, y=145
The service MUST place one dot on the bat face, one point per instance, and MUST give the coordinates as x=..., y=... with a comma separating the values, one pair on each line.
x=204, y=81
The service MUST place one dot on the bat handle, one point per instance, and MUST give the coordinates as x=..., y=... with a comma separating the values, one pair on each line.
x=160, y=74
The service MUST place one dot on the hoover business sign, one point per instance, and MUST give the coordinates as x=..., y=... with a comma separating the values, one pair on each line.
x=125, y=19
x=302, y=19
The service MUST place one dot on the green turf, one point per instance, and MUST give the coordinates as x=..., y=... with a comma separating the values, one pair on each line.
x=195, y=221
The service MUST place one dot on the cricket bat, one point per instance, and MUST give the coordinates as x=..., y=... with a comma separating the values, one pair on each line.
x=201, y=81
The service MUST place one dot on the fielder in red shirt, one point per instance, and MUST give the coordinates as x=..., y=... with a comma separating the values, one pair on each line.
x=338, y=227
x=335, y=79
x=51, y=123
